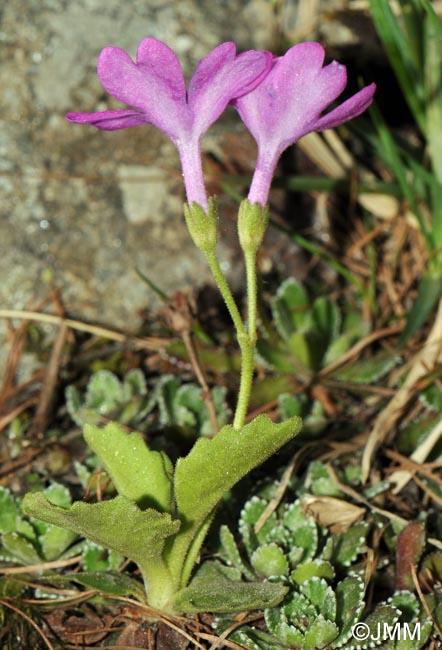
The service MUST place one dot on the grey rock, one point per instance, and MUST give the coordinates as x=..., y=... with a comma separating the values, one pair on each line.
x=88, y=207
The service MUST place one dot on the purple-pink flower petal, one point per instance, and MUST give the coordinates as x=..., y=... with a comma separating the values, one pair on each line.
x=292, y=96
x=162, y=61
x=108, y=120
x=154, y=87
x=288, y=104
x=148, y=88
x=349, y=109
x=221, y=77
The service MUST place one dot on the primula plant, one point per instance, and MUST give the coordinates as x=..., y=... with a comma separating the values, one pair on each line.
x=162, y=512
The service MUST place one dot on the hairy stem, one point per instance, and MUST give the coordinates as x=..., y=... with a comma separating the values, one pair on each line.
x=247, y=342
x=245, y=386
x=225, y=292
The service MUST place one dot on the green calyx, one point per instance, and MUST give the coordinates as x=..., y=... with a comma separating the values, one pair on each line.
x=252, y=224
x=202, y=227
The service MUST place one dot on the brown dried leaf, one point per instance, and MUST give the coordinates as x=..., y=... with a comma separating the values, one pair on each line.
x=336, y=514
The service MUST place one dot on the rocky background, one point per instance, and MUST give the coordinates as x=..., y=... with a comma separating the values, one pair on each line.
x=82, y=209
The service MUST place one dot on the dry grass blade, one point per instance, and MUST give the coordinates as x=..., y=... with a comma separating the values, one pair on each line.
x=147, y=343
x=50, y=381
x=9, y=417
x=29, y=620
x=171, y=621
x=416, y=467
x=43, y=566
x=423, y=600
x=419, y=455
x=428, y=491
x=356, y=349
x=360, y=499
x=223, y=637
x=423, y=363
x=282, y=487
x=322, y=155
x=180, y=315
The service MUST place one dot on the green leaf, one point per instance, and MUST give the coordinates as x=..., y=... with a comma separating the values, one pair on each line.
x=218, y=463
x=290, y=405
x=134, y=384
x=276, y=354
x=321, y=482
x=407, y=603
x=9, y=511
x=112, y=583
x=326, y=318
x=367, y=371
x=58, y=494
x=429, y=291
x=436, y=223
x=348, y=545
x=211, y=591
x=349, y=605
x=117, y=524
x=379, y=619
x=11, y=588
x=269, y=560
x=299, y=611
x=214, y=466
x=55, y=541
x=250, y=515
x=292, y=636
x=305, y=351
x=190, y=410
x=166, y=390
x=291, y=308
x=432, y=565
x=319, y=634
x=254, y=639
x=74, y=405
x=307, y=570
x=231, y=550
x=141, y=475
x=321, y=595
x=20, y=549
x=96, y=558
x=104, y=392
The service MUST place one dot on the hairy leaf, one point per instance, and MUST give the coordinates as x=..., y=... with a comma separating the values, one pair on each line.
x=212, y=591
x=117, y=524
x=109, y=582
x=214, y=466
x=141, y=475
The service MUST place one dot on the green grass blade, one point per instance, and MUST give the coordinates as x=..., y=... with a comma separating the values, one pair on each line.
x=432, y=16
x=429, y=291
x=433, y=92
x=412, y=17
x=400, y=53
x=393, y=157
x=436, y=204
x=315, y=249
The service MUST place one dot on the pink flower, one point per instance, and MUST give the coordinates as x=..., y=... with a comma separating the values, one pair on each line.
x=288, y=104
x=154, y=86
